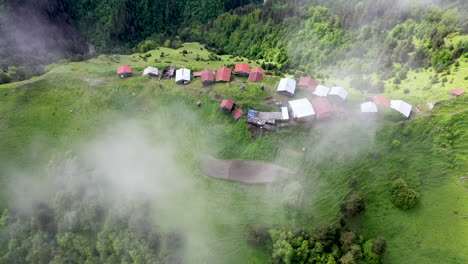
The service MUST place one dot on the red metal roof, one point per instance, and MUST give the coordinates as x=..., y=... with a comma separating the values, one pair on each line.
x=257, y=69
x=227, y=104
x=242, y=67
x=381, y=100
x=223, y=75
x=207, y=76
x=124, y=69
x=308, y=82
x=322, y=107
x=238, y=113
x=255, y=76
x=457, y=91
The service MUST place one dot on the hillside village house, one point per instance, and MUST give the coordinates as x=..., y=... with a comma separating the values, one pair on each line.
x=207, y=76
x=382, y=100
x=227, y=105
x=302, y=109
x=237, y=113
x=339, y=92
x=151, y=71
x=223, y=74
x=369, y=107
x=287, y=86
x=182, y=76
x=457, y=92
x=256, y=75
x=307, y=82
x=242, y=69
x=321, y=91
x=168, y=73
x=323, y=108
x=124, y=71
x=401, y=106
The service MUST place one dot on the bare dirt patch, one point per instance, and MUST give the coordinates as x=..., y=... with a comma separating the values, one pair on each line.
x=243, y=171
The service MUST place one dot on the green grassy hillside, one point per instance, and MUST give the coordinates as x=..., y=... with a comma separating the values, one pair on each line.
x=73, y=102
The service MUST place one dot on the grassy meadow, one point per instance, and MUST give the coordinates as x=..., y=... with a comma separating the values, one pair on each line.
x=73, y=102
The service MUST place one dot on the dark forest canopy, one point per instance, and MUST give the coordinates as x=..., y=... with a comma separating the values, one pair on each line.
x=299, y=36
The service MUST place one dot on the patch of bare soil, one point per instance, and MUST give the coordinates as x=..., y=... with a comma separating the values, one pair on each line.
x=243, y=171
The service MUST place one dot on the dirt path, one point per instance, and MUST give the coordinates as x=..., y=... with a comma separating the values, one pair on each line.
x=243, y=171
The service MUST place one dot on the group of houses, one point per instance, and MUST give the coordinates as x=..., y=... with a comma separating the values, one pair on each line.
x=207, y=76
x=319, y=105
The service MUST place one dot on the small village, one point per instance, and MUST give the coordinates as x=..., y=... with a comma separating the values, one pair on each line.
x=321, y=102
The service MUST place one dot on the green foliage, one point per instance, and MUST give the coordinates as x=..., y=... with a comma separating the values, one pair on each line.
x=147, y=46
x=354, y=205
x=404, y=197
x=441, y=60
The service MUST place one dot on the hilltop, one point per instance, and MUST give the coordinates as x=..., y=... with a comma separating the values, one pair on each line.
x=78, y=102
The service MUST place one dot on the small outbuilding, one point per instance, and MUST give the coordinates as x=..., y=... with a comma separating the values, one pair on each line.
x=382, y=100
x=301, y=109
x=321, y=91
x=307, y=82
x=183, y=76
x=227, y=105
x=168, y=72
x=323, y=108
x=401, y=106
x=287, y=86
x=124, y=71
x=256, y=75
x=242, y=69
x=151, y=71
x=339, y=92
x=238, y=113
x=457, y=92
x=369, y=107
x=285, y=113
x=223, y=74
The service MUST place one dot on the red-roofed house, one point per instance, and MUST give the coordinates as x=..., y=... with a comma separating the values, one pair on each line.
x=124, y=71
x=207, y=76
x=227, y=104
x=223, y=74
x=238, y=113
x=256, y=75
x=322, y=107
x=381, y=100
x=242, y=69
x=457, y=91
x=307, y=82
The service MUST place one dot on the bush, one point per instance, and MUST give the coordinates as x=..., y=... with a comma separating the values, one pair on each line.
x=354, y=205
x=397, y=80
x=258, y=236
x=406, y=91
x=147, y=46
x=404, y=197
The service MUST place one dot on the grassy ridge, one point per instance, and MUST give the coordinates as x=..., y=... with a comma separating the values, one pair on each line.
x=73, y=102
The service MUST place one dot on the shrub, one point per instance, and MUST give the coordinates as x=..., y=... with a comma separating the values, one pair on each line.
x=257, y=236
x=406, y=91
x=404, y=197
x=354, y=205
x=147, y=46
x=397, y=80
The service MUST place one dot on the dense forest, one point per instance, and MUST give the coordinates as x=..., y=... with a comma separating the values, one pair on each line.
x=357, y=37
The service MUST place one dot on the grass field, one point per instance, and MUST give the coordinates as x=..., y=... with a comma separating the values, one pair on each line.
x=73, y=102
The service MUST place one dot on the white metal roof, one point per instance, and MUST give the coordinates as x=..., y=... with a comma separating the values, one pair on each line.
x=401, y=106
x=285, y=113
x=339, y=91
x=287, y=85
x=301, y=108
x=369, y=107
x=182, y=75
x=321, y=90
x=150, y=71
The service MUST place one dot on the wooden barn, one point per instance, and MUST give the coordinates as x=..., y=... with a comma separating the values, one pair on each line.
x=242, y=69
x=124, y=71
